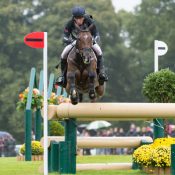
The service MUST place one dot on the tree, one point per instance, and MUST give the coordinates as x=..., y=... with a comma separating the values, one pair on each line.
x=21, y=17
x=152, y=20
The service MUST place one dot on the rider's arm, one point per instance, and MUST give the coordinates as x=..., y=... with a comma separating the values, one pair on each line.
x=94, y=30
x=67, y=31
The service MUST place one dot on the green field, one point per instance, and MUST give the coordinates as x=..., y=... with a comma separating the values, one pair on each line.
x=10, y=166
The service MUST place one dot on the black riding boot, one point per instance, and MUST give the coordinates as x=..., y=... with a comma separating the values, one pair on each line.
x=61, y=80
x=101, y=69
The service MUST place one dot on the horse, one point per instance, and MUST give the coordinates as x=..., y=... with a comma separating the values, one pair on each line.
x=82, y=69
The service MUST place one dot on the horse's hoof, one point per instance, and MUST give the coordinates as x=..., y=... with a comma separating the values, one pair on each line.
x=74, y=97
x=74, y=102
x=92, y=94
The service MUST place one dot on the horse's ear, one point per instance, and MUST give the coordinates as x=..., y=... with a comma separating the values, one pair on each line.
x=91, y=27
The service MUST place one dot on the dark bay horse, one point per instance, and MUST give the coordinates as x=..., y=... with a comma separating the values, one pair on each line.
x=81, y=71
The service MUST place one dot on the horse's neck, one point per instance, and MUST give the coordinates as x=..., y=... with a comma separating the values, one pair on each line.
x=79, y=61
x=75, y=57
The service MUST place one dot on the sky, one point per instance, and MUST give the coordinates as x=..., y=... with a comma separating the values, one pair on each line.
x=127, y=5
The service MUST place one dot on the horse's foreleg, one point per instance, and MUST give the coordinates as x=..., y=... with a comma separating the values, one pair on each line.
x=71, y=88
x=92, y=77
x=80, y=97
x=100, y=90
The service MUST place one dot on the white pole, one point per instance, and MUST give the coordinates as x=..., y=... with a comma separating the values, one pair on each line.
x=45, y=106
x=156, y=68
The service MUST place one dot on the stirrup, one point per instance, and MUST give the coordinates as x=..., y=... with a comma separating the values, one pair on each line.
x=60, y=81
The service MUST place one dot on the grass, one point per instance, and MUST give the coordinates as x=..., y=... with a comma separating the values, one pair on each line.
x=10, y=166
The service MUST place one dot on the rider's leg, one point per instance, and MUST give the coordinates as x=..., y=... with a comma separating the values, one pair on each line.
x=100, y=66
x=100, y=62
x=61, y=80
x=63, y=71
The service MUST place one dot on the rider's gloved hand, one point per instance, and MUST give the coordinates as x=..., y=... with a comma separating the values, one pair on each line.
x=67, y=40
x=73, y=42
x=103, y=76
x=96, y=39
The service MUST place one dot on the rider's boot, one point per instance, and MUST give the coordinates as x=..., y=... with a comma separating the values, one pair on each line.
x=102, y=74
x=61, y=80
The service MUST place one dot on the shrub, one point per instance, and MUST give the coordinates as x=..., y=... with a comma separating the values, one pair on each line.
x=142, y=155
x=156, y=154
x=56, y=129
x=163, y=142
x=161, y=156
x=160, y=86
x=37, y=149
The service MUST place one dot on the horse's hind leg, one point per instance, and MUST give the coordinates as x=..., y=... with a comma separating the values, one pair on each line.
x=92, y=95
x=72, y=91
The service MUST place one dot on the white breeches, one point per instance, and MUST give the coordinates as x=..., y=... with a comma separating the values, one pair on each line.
x=68, y=48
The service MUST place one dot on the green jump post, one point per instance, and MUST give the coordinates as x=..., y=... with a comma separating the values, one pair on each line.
x=71, y=137
x=37, y=114
x=28, y=117
x=38, y=121
x=173, y=159
x=38, y=118
x=53, y=157
x=49, y=92
x=158, y=128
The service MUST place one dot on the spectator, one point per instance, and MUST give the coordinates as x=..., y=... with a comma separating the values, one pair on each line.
x=132, y=130
x=143, y=131
x=149, y=132
x=121, y=132
x=116, y=131
x=11, y=146
x=173, y=132
x=138, y=131
x=1, y=146
x=85, y=133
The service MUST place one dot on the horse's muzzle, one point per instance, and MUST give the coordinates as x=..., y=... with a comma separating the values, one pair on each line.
x=87, y=55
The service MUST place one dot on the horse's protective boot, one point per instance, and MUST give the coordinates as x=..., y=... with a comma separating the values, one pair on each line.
x=61, y=80
x=101, y=69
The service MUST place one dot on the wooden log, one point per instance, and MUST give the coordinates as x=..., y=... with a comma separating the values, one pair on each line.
x=125, y=111
x=104, y=166
x=103, y=142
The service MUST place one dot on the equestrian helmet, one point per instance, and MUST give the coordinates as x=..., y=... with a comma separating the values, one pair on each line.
x=78, y=11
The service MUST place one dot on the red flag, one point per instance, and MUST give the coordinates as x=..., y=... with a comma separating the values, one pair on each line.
x=35, y=39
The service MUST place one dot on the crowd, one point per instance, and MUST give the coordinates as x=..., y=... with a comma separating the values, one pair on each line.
x=7, y=145
x=133, y=131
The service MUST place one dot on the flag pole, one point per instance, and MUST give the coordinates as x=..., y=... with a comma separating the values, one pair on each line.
x=45, y=106
x=160, y=48
x=156, y=64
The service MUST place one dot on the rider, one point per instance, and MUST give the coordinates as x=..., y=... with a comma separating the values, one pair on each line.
x=83, y=21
